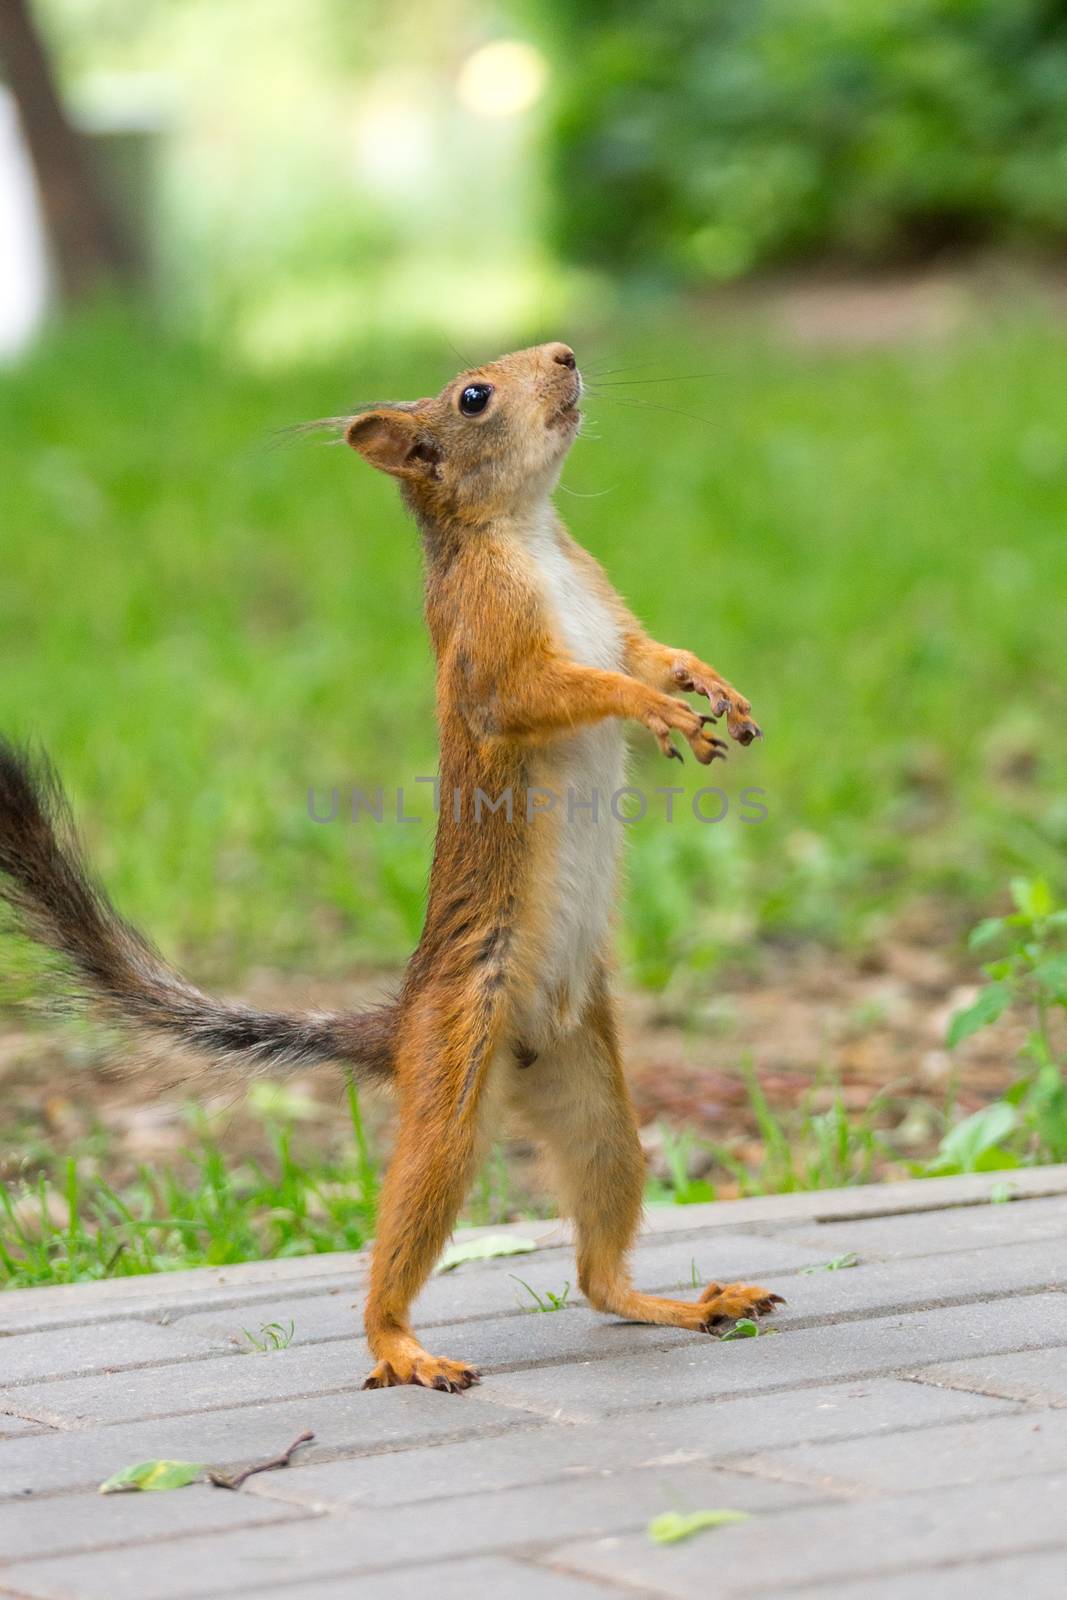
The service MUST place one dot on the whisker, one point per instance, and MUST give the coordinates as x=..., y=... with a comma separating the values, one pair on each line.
x=653, y=405
x=456, y=351
x=594, y=494
x=598, y=371
x=295, y=432
x=629, y=383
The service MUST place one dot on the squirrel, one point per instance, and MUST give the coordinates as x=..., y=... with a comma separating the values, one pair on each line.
x=505, y=1005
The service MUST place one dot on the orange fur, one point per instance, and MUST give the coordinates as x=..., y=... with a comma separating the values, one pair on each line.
x=477, y=1031
x=505, y=1005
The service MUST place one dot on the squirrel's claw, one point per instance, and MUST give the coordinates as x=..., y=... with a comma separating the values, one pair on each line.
x=723, y=701
x=743, y=729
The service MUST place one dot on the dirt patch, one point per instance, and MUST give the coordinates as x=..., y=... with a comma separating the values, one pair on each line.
x=823, y=309
x=809, y=1021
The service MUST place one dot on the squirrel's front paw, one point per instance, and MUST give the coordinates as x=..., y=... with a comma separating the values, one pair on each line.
x=667, y=714
x=694, y=677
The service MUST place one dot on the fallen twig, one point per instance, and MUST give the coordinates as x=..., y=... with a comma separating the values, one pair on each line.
x=234, y=1480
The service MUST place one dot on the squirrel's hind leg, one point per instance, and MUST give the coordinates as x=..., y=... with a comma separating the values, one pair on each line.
x=576, y=1101
x=442, y=1067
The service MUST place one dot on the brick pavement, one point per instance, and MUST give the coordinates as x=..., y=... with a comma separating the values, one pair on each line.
x=902, y=1433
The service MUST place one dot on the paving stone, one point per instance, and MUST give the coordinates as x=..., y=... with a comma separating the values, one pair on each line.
x=1038, y=1376
x=979, y=1451
x=937, y=1367
x=333, y=1314
x=841, y=1543
x=666, y=1264
x=219, y=1303
x=874, y=1285
x=973, y=1190
x=712, y=1432
x=70, y=1304
x=492, y=1290
x=457, y=1580
x=1030, y=1577
x=168, y=1308
x=909, y=1282
x=32, y=1356
x=12, y=1425
x=65, y=1524
x=330, y=1547
x=704, y=1367
x=938, y=1232
x=171, y=1294
x=389, y=1419
x=316, y=1369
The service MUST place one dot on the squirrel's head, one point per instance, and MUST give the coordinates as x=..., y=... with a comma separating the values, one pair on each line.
x=489, y=443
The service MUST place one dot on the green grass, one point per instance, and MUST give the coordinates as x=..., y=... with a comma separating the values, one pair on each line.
x=65, y=1223
x=205, y=1208
x=550, y=1300
x=200, y=625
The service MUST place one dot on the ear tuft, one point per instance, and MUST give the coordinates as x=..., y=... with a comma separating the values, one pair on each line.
x=394, y=442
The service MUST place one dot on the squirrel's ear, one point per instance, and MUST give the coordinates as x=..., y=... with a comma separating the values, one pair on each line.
x=395, y=442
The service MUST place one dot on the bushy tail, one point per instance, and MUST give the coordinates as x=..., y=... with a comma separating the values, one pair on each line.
x=45, y=880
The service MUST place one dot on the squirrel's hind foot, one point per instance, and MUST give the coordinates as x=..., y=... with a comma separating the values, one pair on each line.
x=429, y=1372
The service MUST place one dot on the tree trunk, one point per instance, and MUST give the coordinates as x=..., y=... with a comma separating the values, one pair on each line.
x=86, y=242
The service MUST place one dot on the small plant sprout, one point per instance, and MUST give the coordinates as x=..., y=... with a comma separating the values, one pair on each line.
x=835, y=1263
x=1028, y=1124
x=546, y=1302
x=271, y=1336
x=677, y=1150
x=743, y=1328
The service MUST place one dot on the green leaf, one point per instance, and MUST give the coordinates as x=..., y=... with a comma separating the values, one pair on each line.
x=986, y=932
x=484, y=1249
x=153, y=1475
x=1033, y=897
x=997, y=1159
x=992, y=1001
x=1017, y=1092
x=967, y=1144
x=1051, y=974
x=1000, y=970
x=670, y=1526
x=743, y=1328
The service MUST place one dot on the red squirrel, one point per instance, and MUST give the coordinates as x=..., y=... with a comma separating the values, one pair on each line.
x=505, y=1007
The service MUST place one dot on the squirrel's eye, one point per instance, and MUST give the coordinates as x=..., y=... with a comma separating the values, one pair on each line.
x=475, y=398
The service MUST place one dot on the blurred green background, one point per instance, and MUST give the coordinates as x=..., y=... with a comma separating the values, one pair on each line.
x=859, y=519
x=811, y=256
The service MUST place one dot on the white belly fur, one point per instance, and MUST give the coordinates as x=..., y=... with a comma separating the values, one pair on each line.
x=587, y=764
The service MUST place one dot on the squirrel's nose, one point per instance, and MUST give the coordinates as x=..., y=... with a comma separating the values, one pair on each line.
x=563, y=354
